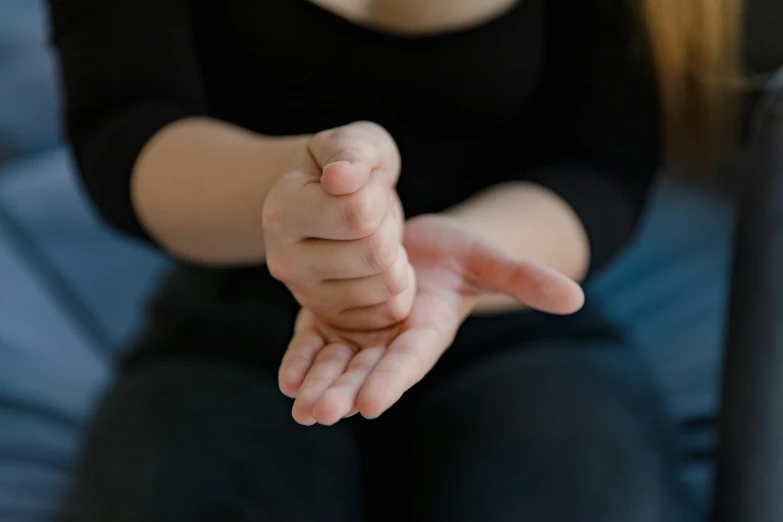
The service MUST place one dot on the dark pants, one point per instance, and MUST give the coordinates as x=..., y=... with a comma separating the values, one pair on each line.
x=526, y=419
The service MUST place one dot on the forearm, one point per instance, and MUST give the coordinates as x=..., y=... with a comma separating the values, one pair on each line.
x=529, y=222
x=199, y=185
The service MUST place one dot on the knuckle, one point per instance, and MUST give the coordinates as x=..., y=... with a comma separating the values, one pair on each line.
x=397, y=209
x=370, y=127
x=381, y=252
x=321, y=138
x=272, y=218
x=340, y=133
x=280, y=269
x=344, y=140
x=395, y=280
x=396, y=310
x=381, y=136
x=362, y=214
x=367, y=130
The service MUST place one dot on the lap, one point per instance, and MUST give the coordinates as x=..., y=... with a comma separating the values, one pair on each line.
x=514, y=424
x=187, y=440
x=551, y=431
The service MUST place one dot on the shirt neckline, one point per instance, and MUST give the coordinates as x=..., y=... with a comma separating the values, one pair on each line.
x=375, y=32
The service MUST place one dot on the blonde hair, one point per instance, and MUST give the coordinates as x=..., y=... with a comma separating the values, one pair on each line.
x=696, y=51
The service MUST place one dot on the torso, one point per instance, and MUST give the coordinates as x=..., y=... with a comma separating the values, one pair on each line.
x=297, y=66
x=456, y=97
x=467, y=96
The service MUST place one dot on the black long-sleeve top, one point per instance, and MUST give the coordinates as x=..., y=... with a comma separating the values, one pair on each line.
x=558, y=92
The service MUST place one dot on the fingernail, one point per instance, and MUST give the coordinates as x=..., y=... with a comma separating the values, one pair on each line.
x=343, y=162
x=309, y=421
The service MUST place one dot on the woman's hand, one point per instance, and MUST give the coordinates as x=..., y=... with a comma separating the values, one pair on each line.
x=333, y=230
x=336, y=373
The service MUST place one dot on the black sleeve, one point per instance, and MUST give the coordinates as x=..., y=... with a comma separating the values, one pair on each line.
x=128, y=69
x=597, y=126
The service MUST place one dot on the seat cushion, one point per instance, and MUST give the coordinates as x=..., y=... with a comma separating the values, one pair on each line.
x=50, y=374
x=670, y=290
x=71, y=294
x=28, y=86
x=102, y=279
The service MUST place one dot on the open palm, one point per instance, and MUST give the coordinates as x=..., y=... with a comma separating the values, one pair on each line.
x=453, y=267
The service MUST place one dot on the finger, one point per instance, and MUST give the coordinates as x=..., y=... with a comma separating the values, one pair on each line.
x=399, y=212
x=383, y=315
x=344, y=294
x=348, y=155
x=533, y=285
x=339, y=400
x=311, y=212
x=329, y=364
x=297, y=360
x=409, y=358
x=369, y=256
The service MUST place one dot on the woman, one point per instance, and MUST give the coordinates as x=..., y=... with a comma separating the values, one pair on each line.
x=237, y=136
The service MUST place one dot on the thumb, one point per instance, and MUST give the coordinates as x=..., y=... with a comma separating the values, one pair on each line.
x=346, y=160
x=348, y=155
x=342, y=176
x=533, y=285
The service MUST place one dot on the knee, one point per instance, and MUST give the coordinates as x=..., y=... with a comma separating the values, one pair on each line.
x=146, y=455
x=191, y=443
x=551, y=435
x=598, y=393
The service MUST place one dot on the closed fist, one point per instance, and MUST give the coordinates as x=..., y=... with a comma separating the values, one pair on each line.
x=333, y=230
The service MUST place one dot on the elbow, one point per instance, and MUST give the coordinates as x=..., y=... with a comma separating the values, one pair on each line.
x=105, y=174
x=106, y=146
x=609, y=202
x=107, y=191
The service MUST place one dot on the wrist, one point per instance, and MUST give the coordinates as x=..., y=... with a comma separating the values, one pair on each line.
x=280, y=155
x=277, y=156
x=476, y=215
x=530, y=222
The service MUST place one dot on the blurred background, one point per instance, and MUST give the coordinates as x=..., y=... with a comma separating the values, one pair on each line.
x=72, y=292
